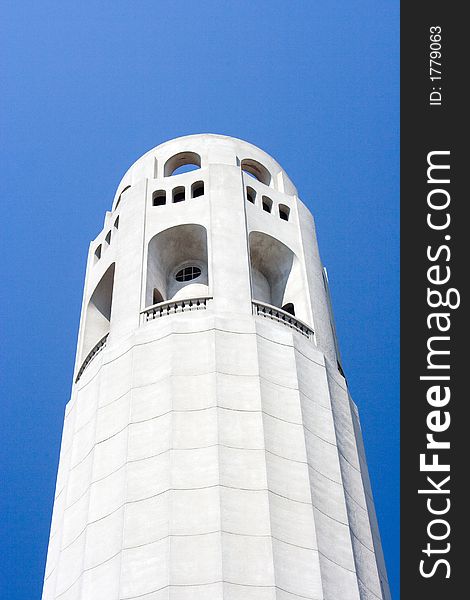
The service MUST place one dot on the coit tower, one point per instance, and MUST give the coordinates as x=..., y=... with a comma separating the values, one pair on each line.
x=211, y=450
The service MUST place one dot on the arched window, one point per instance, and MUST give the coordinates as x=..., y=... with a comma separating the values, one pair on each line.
x=289, y=307
x=197, y=189
x=177, y=264
x=120, y=195
x=250, y=194
x=98, y=312
x=181, y=163
x=284, y=212
x=159, y=198
x=98, y=253
x=157, y=297
x=276, y=275
x=267, y=204
x=116, y=223
x=179, y=194
x=107, y=239
x=256, y=170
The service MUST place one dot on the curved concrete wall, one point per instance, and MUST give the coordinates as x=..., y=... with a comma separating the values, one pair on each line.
x=210, y=448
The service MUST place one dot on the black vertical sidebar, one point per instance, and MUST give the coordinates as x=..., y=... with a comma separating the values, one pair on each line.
x=435, y=267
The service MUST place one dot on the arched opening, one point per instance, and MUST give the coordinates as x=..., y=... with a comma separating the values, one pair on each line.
x=179, y=194
x=116, y=223
x=250, y=195
x=197, y=189
x=284, y=212
x=120, y=195
x=185, y=169
x=159, y=198
x=261, y=287
x=107, y=239
x=98, y=253
x=289, y=307
x=181, y=163
x=157, y=297
x=267, y=204
x=98, y=312
x=177, y=264
x=276, y=275
x=256, y=170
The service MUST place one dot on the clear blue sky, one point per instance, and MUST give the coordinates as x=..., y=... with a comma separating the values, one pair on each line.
x=88, y=87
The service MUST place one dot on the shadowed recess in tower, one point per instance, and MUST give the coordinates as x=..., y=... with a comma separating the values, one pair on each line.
x=169, y=252
x=175, y=164
x=256, y=170
x=98, y=312
x=276, y=274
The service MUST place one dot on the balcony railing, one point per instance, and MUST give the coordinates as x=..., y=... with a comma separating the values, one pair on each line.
x=172, y=307
x=277, y=314
x=91, y=355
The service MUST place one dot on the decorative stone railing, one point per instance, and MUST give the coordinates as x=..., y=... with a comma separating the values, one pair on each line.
x=91, y=355
x=277, y=314
x=172, y=307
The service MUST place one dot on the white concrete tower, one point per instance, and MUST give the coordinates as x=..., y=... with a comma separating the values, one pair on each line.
x=211, y=450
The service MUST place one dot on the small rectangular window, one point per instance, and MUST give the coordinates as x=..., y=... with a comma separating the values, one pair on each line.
x=267, y=204
x=159, y=198
x=179, y=194
x=197, y=189
x=284, y=212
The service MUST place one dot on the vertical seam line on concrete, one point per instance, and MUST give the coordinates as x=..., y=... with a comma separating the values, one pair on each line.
x=143, y=266
x=62, y=516
x=312, y=505
x=304, y=271
x=209, y=234
x=91, y=477
x=210, y=245
x=216, y=385
x=265, y=459
x=80, y=578
x=247, y=236
x=126, y=478
x=170, y=499
x=369, y=502
x=343, y=487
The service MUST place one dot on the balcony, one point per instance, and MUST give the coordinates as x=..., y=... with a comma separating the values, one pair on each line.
x=91, y=355
x=281, y=316
x=173, y=307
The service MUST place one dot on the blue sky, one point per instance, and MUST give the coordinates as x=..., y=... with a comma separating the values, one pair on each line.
x=88, y=87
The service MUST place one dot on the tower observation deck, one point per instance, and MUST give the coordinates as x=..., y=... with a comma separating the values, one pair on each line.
x=211, y=450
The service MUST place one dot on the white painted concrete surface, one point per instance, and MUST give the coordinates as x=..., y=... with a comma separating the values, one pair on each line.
x=207, y=453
